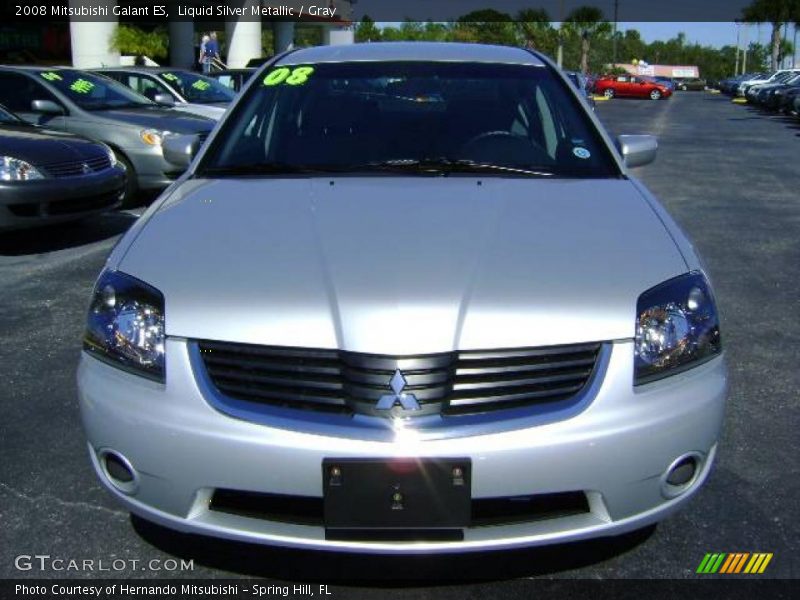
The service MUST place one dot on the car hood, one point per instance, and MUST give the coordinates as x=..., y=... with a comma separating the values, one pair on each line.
x=204, y=110
x=41, y=146
x=403, y=265
x=163, y=119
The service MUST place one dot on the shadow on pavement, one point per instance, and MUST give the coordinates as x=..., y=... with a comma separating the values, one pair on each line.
x=50, y=238
x=388, y=571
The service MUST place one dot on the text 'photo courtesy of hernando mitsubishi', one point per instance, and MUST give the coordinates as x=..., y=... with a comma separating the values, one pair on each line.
x=371, y=318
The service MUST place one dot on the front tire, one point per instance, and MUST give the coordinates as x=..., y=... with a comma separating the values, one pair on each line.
x=655, y=95
x=608, y=93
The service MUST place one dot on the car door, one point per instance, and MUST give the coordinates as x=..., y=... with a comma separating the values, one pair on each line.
x=638, y=87
x=621, y=85
x=17, y=93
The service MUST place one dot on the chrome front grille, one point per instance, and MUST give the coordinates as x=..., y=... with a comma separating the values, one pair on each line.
x=450, y=383
x=73, y=168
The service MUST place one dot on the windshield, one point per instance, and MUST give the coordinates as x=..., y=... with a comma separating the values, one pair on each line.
x=93, y=92
x=420, y=117
x=198, y=88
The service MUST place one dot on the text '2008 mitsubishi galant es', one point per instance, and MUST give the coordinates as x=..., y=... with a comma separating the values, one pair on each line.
x=407, y=298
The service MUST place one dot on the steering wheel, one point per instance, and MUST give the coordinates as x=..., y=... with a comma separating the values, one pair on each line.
x=524, y=145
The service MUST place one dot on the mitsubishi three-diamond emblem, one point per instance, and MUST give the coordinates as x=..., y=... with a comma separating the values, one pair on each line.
x=407, y=401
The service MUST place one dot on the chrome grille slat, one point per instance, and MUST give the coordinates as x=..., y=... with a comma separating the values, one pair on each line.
x=449, y=383
x=74, y=167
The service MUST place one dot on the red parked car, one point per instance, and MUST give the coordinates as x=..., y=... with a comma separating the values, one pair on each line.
x=630, y=86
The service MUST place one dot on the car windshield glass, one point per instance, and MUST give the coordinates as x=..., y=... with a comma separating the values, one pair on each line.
x=198, y=88
x=7, y=117
x=410, y=117
x=93, y=92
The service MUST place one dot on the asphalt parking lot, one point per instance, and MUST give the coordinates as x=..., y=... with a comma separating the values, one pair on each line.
x=727, y=174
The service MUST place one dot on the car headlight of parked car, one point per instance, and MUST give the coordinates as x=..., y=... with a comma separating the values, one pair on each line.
x=677, y=327
x=152, y=137
x=125, y=325
x=111, y=156
x=14, y=169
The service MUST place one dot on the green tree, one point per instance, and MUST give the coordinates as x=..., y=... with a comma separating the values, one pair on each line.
x=535, y=30
x=775, y=12
x=131, y=40
x=486, y=26
x=367, y=31
x=586, y=22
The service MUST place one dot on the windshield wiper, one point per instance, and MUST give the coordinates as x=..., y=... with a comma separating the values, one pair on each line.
x=447, y=165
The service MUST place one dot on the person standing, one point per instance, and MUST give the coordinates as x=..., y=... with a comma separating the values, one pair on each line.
x=202, y=58
x=211, y=52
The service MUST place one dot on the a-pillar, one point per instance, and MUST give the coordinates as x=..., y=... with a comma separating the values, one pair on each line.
x=284, y=35
x=243, y=35
x=91, y=40
x=181, y=44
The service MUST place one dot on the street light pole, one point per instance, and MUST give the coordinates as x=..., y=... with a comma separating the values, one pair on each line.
x=614, y=40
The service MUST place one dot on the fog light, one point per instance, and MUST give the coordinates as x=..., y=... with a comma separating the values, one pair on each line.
x=118, y=471
x=683, y=471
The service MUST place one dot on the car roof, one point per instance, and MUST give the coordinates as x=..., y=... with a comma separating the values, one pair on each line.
x=143, y=70
x=412, y=51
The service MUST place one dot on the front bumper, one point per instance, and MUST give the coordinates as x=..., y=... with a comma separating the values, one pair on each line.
x=153, y=171
x=617, y=451
x=50, y=200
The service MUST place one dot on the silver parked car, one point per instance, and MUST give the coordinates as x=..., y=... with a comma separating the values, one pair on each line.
x=184, y=90
x=409, y=297
x=104, y=110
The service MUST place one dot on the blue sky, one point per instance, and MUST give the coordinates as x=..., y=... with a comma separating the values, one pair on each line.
x=711, y=34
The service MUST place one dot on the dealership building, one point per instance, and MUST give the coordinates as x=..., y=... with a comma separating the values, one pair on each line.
x=85, y=41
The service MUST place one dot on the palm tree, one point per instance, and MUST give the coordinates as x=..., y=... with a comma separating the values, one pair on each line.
x=776, y=12
x=587, y=21
x=534, y=28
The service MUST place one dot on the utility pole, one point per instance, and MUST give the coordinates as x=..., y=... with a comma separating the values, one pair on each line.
x=794, y=46
x=736, y=64
x=614, y=40
x=744, y=49
x=560, y=53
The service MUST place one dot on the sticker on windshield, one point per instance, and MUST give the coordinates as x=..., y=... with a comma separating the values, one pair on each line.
x=581, y=152
x=201, y=85
x=81, y=86
x=51, y=76
x=170, y=76
x=296, y=76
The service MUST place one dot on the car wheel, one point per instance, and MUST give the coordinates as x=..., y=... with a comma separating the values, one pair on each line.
x=131, y=186
x=655, y=95
x=608, y=93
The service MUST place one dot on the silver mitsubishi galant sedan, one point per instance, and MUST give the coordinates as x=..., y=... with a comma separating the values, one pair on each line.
x=407, y=298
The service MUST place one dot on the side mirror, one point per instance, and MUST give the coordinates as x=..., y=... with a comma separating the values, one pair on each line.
x=164, y=100
x=47, y=107
x=180, y=149
x=637, y=150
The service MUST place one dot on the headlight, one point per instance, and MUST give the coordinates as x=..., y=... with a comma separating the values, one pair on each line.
x=111, y=156
x=152, y=137
x=677, y=327
x=125, y=326
x=14, y=169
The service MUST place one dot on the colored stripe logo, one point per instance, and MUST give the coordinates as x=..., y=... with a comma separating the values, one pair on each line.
x=734, y=562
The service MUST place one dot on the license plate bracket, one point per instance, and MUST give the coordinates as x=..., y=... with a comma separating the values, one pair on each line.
x=426, y=493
